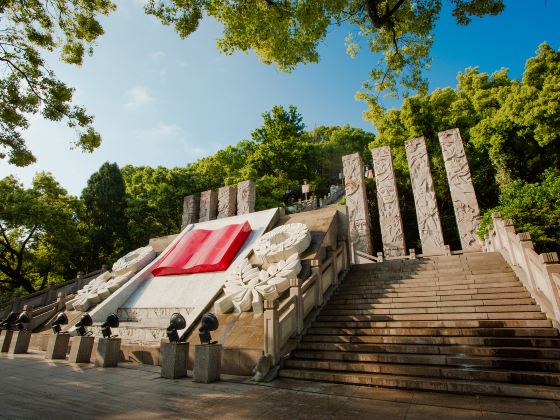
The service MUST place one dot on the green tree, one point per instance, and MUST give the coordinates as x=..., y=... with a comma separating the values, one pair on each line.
x=287, y=33
x=27, y=85
x=104, y=217
x=39, y=233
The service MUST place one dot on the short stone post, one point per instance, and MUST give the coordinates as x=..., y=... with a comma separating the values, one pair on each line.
x=57, y=348
x=174, y=359
x=295, y=290
x=207, y=363
x=271, y=329
x=412, y=254
x=80, y=351
x=108, y=352
x=5, y=340
x=380, y=257
x=316, y=268
x=20, y=342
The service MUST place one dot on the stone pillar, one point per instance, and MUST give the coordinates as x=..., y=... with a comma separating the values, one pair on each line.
x=390, y=220
x=207, y=363
x=461, y=187
x=81, y=349
x=246, y=196
x=427, y=214
x=190, y=210
x=174, y=357
x=356, y=202
x=20, y=342
x=227, y=202
x=57, y=346
x=208, y=205
x=5, y=340
x=108, y=352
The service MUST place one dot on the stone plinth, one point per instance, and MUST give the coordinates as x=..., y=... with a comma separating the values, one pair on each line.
x=461, y=188
x=392, y=233
x=246, y=196
x=20, y=342
x=208, y=205
x=108, y=352
x=81, y=349
x=356, y=202
x=427, y=214
x=174, y=357
x=207, y=362
x=5, y=340
x=190, y=210
x=57, y=348
x=227, y=202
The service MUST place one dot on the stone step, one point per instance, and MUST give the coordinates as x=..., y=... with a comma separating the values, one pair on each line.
x=464, y=361
x=437, y=332
x=422, y=383
x=437, y=310
x=458, y=279
x=429, y=274
x=494, y=324
x=139, y=314
x=341, y=300
x=434, y=304
x=435, y=371
x=435, y=341
x=404, y=288
x=426, y=292
x=505, y=352
x=434, y=316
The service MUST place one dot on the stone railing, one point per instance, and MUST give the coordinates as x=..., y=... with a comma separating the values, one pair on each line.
x=540, y=273
x=305, y=205
x=332, y=197
x=285, y=319
x=50, y=294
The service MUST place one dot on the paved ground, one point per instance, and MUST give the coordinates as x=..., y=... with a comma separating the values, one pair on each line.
x=31, y=387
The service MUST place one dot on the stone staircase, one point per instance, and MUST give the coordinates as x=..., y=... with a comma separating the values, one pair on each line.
x=461, y=324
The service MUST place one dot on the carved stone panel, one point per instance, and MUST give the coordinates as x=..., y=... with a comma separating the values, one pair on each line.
x=461, y=187
x=227, y=200
x=246, y=196
x=208, y=205
x=390, y=220
x=427, y=214
x=356, y=202
x=190, y=210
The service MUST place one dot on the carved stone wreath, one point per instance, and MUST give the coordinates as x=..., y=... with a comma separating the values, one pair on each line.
x=282, y=242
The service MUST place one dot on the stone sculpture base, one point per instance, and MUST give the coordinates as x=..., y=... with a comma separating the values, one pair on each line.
x=81, y=349
x=174, y=357
x=5, y=340
x=108, y=352
x=57, y=348
x=20, y=342
x=207, y=363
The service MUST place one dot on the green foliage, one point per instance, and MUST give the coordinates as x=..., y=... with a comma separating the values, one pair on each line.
x=534, y=208
x=104, y=216
x=287, y=33
x=27, y=85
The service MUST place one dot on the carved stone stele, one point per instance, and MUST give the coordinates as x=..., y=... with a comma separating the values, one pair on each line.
x=461, y=187
x=190, y=210
x=387, y=198
x=246, y=196
x=227, y=200
x=208, y=205
x=427, y=214
x=356, y=202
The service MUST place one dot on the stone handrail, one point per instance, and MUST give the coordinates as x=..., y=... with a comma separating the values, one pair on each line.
x=286, y=319
x=540, y=273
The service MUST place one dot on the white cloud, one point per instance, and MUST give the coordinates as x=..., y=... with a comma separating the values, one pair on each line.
x=138, y=97
x=157, y=56
x=162, y=131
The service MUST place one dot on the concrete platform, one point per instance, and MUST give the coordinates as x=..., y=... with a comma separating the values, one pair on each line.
x=56, y=389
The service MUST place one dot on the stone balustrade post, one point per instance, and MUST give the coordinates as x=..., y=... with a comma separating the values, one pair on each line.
x=295, y=290
x=316, y=268
x=271, y=329
x=332, y=254
x=527, y=243
x=551, y=262
x=380, y=257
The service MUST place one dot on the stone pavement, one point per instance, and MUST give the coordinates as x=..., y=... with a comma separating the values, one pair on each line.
x=32, y=387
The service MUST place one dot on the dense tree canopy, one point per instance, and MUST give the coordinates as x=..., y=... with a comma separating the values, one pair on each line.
x=27, y=84
x=288, y=32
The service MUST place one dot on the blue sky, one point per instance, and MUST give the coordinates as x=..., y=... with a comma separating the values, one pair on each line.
x=160, y=100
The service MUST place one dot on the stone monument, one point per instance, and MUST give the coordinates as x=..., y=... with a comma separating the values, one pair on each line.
x=208, y=205
x=461, y=187
x=227, y=200
x=246, y=195
x=390, y=220
x=190, y=210
x=356, y=202
x=427, y=214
